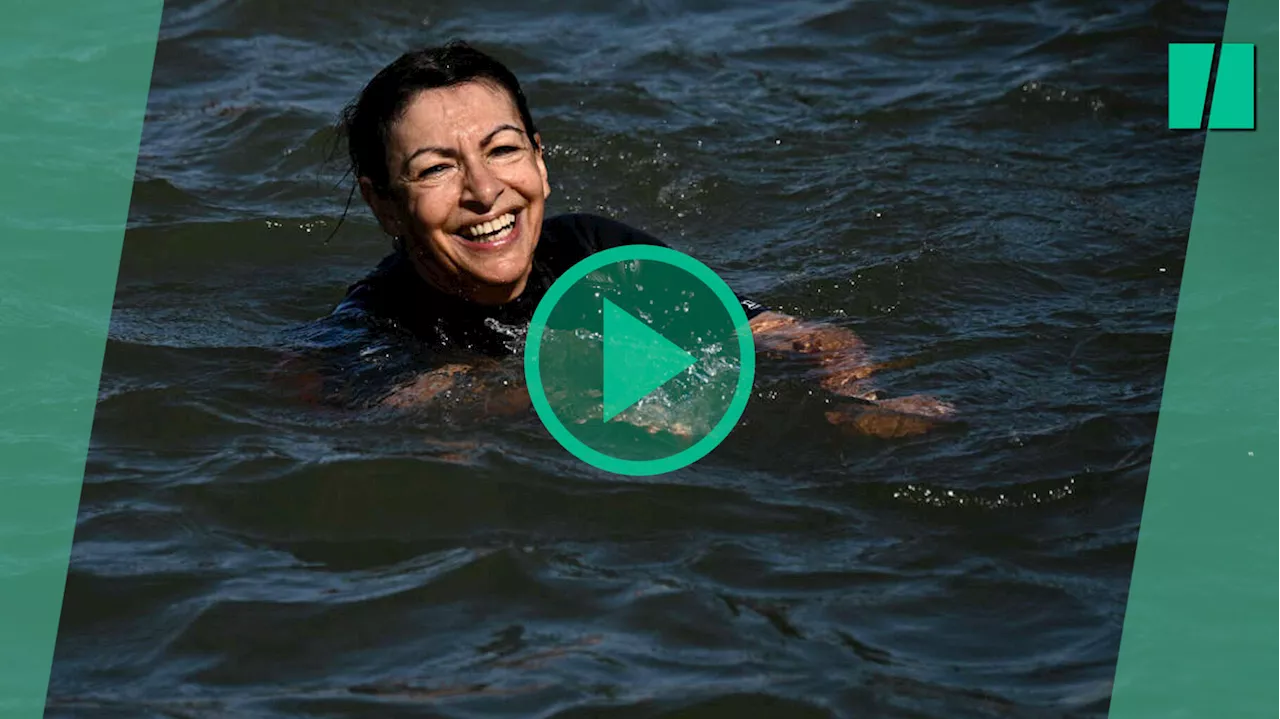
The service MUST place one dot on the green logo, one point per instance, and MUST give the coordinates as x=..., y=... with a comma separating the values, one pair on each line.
x=639, y=360
x=1234, y=89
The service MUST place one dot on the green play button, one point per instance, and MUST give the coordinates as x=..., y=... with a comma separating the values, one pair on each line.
x=639, y=360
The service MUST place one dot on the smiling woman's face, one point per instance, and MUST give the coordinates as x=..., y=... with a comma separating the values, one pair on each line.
x=468, y=190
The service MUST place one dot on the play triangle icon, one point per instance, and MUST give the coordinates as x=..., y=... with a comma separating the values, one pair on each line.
x=637, y=360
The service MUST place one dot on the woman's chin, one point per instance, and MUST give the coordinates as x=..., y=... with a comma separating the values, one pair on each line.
x=497, y=266
x=498, y=281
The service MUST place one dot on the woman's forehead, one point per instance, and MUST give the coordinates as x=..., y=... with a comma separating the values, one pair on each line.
x=461, y=112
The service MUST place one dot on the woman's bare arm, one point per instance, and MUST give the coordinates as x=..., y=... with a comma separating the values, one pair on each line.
x=478, y=385
x=841, y=356
x=845, y=368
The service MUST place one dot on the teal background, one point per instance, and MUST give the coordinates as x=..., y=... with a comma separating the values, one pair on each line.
x=1200, y=632
x=71, y=110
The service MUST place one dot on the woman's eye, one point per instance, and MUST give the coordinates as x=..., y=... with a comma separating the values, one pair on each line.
x=505, y=150
x=432, y=171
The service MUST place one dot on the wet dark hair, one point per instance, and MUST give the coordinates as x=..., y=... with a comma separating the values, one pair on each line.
x=367, y=121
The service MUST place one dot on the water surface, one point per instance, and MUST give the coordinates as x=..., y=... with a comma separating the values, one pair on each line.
x=987, y=188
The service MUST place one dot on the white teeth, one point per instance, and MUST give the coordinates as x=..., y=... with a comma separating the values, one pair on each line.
x=492, y=227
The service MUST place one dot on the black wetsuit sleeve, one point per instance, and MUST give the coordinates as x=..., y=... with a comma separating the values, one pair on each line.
x=601, y=233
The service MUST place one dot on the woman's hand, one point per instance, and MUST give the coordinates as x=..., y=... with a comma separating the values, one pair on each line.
x=427, y=387
x=893, y=418
x=845, y=369
x=510, y=398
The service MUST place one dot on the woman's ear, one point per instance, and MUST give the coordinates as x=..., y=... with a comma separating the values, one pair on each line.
x=383, y=207
x=542, y=165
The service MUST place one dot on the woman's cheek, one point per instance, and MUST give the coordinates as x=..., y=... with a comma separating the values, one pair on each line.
x=427, y=213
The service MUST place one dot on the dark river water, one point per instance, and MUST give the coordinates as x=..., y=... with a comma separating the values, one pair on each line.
x=986, y=188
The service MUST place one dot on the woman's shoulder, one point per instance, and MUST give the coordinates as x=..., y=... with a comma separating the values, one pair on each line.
x=592, y=233
x=377, y=293
x=574, y=227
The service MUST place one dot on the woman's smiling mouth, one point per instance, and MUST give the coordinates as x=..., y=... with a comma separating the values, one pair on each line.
x=490, y=234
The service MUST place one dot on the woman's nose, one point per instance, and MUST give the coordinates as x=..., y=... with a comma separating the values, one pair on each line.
x=481, y=186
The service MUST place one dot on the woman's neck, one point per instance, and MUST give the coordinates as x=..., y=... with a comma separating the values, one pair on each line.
x=486, y=295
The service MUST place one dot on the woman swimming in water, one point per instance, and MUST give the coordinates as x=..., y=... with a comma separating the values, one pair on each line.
x=448, y=158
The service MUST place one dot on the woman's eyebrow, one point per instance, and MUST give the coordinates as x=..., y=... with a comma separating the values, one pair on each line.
x=443, y=151
x=500, y=128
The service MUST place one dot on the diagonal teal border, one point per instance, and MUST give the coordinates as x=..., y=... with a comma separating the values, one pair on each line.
x=1200, y=632
x=71, y=108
